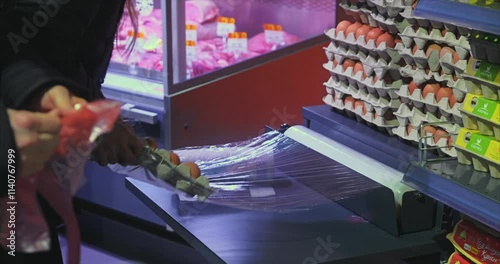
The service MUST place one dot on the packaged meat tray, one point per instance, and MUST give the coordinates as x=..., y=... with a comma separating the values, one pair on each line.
x=477, y=246
x=481, y=151
x=482, y=114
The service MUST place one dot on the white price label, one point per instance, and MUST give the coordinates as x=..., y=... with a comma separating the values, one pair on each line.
x=274, y=34
x=237, y=42
x=190, y=51
x=191, y=32
x=225, y=26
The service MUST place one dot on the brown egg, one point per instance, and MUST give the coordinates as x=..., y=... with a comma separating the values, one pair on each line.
x=413, y=86
x=428, y=130
x=359, y=67
x=349, y=99
x=450, y=143
x=430, y=88
x=445, y=50
x=194, y=169
x=373, y=34
x=444, y=92
x=375, y=79
x=455, y=77
x=432, y=47
x=353, y=28
x=440, y=134
x=453, y=100
x=456, y=57
x=348, y=63
x=398, y=40
x=363, y=31
x=415, y=49
x=174, y=158
x=387, y=38
x=409, y=128
x=342, y=26
x=151, y=142
x=444, y=31
x=361, y=104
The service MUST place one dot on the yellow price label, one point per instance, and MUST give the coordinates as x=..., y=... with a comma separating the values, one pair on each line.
x=190, y=43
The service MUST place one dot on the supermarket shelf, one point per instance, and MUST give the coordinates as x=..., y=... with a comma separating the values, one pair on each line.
x=474, y=193
x=449, y=11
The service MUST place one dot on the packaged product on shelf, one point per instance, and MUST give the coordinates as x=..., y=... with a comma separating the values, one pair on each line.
x=481, y=151
x=483, y=114
x=456, y=258
x=477, y=246
x=482, y=78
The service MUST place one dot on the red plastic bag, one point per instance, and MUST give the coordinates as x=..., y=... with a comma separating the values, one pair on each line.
x=56, y=183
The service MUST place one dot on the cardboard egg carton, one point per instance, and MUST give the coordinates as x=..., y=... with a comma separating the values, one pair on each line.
x=481, y=114
x=433, y=62
x=350, y=42
x=450, y=67
x=330, y=55
x=479, y=151
x=375, y=19
x=380, y=88
x=389, y=8
x=474, y=85
x=416, y=117
x=420, y=76
x=451, y=114
x=379, y=121
x=442, y=146
x=371, y=63
x=422, y=22
x=422, y=36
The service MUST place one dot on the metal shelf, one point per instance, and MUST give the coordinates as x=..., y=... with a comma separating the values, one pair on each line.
x=460, y=14
x=476, y=194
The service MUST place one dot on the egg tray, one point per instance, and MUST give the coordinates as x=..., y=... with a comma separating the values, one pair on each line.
x=426, y=23
x=422, y=36
x=443, y=149
x=485, y=127
x=380, y=87
x=419, y=76
x=359, y=45
x=380, y=122
x=451, y=114
x=475, y=85
x=389, y=8
x=488, y=125
x=433, y=62
x=392, y=25
x=416, y=117
x=379, y=104
x=479, y=161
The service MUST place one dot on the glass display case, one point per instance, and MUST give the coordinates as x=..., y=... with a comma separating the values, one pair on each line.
x=185, y=43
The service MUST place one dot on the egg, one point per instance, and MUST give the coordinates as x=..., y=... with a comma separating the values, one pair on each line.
x=398, y=40
x=342, y=26
x=174, y=158
x=456, y=57
x=440, y=134
x=352, y=29
x=363, y=31
x=375, y=79
x=428, y=130
x=409, y=128
x=455, y=77
x=430, y=88
x=359, y=67
x=349, y=99
x=444, y=92
x=450, y=143
x=386, y=38
x=443, y=32
x=415, y=49
x=453, y=100
x=348, y=63
x=432, y=47
x=361, y=104
x=413, y=86
x=335, y=63
x=446, y=50
x=373, y=34
x=193, y=169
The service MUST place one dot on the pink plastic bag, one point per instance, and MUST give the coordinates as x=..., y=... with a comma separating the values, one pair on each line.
x=56, y=183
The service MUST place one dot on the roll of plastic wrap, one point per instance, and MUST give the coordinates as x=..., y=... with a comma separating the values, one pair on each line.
x=351, y=158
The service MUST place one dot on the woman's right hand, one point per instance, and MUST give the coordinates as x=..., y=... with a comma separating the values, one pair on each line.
x=36, y=135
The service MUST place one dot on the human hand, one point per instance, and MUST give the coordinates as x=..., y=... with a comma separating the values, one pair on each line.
x=121, y=146
x=36, y=136
x=56, y=97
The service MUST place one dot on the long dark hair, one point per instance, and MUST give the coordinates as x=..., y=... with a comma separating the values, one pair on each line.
x=134, y=19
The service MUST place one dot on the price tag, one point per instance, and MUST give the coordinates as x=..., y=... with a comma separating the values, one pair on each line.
x=190, y=50
x=191, y=32
x=225, y=25
x=274, y=34
x=237, y=42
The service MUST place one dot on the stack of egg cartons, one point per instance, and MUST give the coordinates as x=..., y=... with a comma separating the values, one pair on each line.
x=364, y=62
x=478, y=143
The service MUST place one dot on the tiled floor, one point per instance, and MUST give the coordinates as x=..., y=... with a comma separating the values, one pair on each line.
x=92, y=255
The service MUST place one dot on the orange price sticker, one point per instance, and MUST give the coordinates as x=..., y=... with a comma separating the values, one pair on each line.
x=190, y=43
x=225, y=26
x=190, y=27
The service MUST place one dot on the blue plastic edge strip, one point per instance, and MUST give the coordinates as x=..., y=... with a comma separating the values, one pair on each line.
x=470, y=203
x=460, y=14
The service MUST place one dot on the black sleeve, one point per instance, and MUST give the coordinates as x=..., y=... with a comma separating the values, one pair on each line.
x=7, y=142
x=35, y=34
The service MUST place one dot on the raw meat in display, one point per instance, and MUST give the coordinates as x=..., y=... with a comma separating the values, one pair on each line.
x=206, y=30
x=201, y=11
x=259, y=44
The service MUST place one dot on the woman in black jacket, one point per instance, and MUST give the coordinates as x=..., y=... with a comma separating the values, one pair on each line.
x=48, y=45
